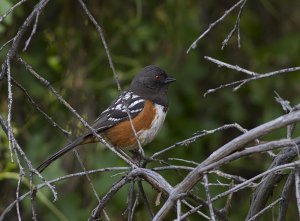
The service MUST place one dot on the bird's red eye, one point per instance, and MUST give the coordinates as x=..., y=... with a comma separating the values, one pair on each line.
x=157, y=77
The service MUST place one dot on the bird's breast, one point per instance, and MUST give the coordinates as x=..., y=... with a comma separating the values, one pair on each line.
x=147, y=135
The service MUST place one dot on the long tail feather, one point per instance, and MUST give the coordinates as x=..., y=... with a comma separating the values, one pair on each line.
x=58, y=154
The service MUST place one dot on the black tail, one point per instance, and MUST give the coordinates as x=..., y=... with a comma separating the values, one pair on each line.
x=65, y=149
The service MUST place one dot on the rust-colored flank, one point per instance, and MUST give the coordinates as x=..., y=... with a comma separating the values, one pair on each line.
x=123, y=135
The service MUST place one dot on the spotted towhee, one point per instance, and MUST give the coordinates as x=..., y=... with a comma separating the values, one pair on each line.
x=146, y=102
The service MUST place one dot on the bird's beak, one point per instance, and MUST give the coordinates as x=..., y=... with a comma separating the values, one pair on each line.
x=169, y=80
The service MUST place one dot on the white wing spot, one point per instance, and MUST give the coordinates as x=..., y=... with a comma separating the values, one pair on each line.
x=113, y=119
x=135, y=103
x=119, y=107
x=137, y=110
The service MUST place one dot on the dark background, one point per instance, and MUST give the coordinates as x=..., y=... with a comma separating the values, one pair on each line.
x=68, y=52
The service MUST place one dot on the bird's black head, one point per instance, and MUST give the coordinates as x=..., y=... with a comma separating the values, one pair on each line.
x=152, y=83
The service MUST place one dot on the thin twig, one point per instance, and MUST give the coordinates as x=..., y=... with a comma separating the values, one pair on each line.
x=32, y=197
x=235, y=28
x=285, y=196
x=227, y=12
x=230, y=66
x=37, y=107
x=33, y=31
x=87, y=175
x=21, y=175
x=6, y=43
x=11, y=144
x=297, y=187
x=178, y=210
x=210, y=206
x=271, y=205
x=145, y=199
x=11, y=9
x=129, y=208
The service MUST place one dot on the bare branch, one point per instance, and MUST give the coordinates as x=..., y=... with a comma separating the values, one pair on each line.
x=11, y=10
x=230, y=66
x=32, y=32
x=271, y=205
x=297, y=187
x=286, y=194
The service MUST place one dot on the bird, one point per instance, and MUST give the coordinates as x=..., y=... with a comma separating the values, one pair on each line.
x=145, y=101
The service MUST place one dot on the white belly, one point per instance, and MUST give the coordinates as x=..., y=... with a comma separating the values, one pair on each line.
x=146, y=136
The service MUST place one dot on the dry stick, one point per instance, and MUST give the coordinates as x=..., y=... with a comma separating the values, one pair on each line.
x=193, y=177
x=37, y=107
x=21, y=175
x=11, y=145
x=89, y=180
x=40, y=186
x=297, y=187
x=236, y=27
x=11, y=9
x=227, y=12
x=32, y=197
x=221, y=215
x=66, y=104
x=210, y=206
x=32, y=32
x=285, y=104
x=228, y=200
x=173, y=167
x=183, y=160
x=111, y=64
x=178, y=210
x=6, y=43
x=199, y=135
x=271, y=205
x=230, y=66
x=240, y=83
x=234, y=178
x=285, y=196
x=192, y=208
x=145, y=199
x=135, y=204
x=192, y=211
x=129, y=208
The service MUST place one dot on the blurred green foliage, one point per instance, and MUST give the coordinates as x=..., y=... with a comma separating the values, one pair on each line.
x=68, y=52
